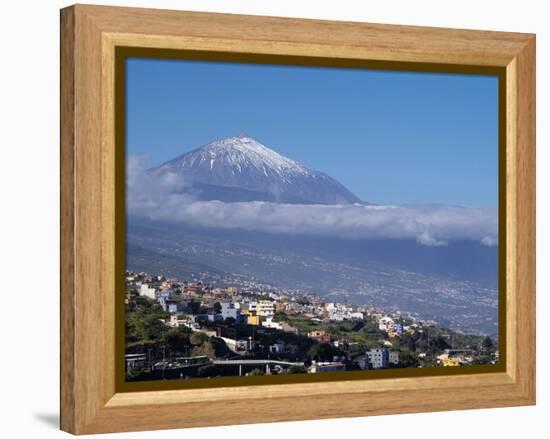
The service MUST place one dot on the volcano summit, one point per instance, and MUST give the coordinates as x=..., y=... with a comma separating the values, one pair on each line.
x=240, y=168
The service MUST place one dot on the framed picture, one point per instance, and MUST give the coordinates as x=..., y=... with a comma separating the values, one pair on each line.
x=293, y=219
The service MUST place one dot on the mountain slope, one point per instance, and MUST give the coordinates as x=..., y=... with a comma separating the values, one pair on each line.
x=434, y=282
x=242, y=169
x=151, y=261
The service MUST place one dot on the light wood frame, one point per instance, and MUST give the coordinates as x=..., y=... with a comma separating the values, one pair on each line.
x=89, y=36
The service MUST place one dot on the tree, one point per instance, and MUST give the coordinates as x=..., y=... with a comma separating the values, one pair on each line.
x=205, y=349
x=411, y=344
x=280, y=316
x=487, y=343
x=194, y=306
x=177, y=339
x=198, y=338
x=220, y=348
x=441, y=343
x=256, y=372
x=145, y=322
x=407, y=359
x=297, y=369
x=218, y=308
x=322, y=352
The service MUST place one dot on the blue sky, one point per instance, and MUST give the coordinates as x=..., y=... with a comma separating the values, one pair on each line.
x=390, y=137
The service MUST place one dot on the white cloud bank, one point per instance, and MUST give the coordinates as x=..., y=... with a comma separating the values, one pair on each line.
x=161, y=198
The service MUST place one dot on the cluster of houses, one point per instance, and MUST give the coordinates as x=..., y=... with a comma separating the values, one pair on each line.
x=199, y=307
x=235, y=304
x=459, y=357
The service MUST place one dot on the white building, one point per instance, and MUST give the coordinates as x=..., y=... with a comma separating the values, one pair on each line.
x=269, y=323
x=329, y=366
x=176, y=321
x=356, y=315
x=230, y=310
x=144, y=290
x=382, y=358
x=263, y=308
x=336, y=316
x=386, y=323
x=239, y=346
x=378, y=358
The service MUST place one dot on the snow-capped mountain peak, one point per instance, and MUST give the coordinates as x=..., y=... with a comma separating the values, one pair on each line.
x=242, y=150
x=241, y=162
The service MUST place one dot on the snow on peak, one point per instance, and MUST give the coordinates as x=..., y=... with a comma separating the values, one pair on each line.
x=242, y=150
x=244, y=163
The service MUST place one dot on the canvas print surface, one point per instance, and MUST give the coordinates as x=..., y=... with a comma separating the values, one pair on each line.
x=305, y=220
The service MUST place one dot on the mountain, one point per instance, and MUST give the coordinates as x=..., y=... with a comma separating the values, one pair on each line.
x=240, y=168
x=455, y=285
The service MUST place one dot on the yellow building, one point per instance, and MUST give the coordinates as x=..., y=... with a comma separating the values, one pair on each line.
x=253, y=319
x=450, y=362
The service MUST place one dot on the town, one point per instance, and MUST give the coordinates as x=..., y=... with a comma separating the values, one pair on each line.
x=182, y=329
